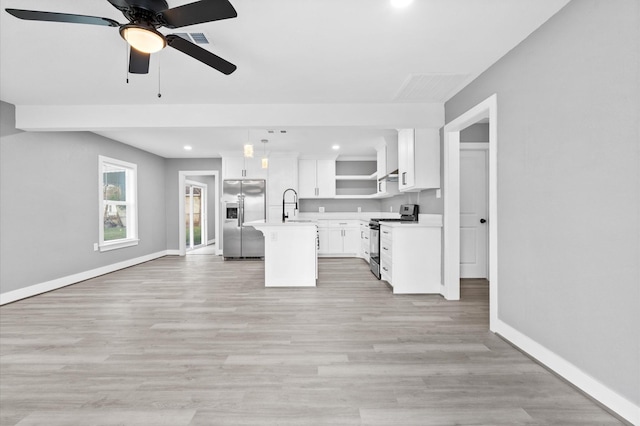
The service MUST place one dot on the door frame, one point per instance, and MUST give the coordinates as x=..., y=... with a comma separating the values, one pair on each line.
x=182, y=177
x=451, y=186
x=204, y=211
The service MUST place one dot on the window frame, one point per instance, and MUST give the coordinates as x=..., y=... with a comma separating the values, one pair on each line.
x=131, y=204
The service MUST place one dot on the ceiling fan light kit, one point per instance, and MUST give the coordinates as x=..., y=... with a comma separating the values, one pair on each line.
x=146, y=40
x=141, y=32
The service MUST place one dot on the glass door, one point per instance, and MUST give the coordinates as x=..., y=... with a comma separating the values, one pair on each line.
x=194, y=209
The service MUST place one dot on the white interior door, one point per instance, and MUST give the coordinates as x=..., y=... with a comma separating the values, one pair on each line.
x=473, y=213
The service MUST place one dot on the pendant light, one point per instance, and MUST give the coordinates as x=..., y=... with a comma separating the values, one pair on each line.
x=248, y=148
x=265, y=159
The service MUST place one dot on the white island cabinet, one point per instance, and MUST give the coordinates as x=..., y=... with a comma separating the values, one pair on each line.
x=410, y=255
x=290, y=253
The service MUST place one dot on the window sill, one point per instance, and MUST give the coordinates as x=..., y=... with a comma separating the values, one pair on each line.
x=118, y=244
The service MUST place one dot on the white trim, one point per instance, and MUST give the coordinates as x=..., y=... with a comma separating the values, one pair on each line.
x=131, y=203
x=118, y=244
x=173, y=252
x=182, y=174
x=209, y=242
x=451, y=187
x=474, y=146
x=592, y=387
x=34, y=290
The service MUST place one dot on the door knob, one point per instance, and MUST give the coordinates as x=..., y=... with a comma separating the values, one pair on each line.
x=482, y=220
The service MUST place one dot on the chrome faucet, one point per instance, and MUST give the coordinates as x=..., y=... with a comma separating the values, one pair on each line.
x=285, y=216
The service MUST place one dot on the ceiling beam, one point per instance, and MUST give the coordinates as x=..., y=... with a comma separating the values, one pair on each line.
x=109, y=117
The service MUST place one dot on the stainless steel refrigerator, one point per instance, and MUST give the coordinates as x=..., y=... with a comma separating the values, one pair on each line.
x=243, y=201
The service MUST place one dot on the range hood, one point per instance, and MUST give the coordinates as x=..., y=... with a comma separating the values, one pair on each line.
x=390, y=177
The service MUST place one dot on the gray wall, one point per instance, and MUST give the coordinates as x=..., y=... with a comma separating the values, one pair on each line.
x=172, y=167
x=569, y=187
x=478, y=132
x=49, y=203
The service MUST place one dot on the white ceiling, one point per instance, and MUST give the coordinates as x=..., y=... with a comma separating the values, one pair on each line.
x=323, y=53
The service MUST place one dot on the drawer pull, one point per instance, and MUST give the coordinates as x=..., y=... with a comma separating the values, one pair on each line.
x=384, y=248
x=385, y=232
x=384, y=268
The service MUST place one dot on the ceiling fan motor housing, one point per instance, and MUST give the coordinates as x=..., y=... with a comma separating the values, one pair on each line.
x=145, y=12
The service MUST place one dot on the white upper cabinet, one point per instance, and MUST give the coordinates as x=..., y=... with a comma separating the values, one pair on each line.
x=317, y=178
x=283, y=174
x=243, y=168
x=418, y=159
x=381, y=156
x=387, y=159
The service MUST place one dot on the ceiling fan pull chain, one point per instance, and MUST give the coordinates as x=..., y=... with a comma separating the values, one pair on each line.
x=126, y=50
x=159, y=94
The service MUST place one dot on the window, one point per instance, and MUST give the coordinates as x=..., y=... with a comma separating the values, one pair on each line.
x=118, y=224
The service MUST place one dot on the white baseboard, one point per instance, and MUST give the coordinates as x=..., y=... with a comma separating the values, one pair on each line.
x=173, y=252
x=213, y=241
x=592, y=387
x=33, y=290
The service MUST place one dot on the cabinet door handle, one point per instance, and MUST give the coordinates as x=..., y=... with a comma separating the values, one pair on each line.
x=404, y=178
x=385, y=269
x=385, y=232
x=384, y=248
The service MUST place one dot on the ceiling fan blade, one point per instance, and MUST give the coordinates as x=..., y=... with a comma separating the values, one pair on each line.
x=200, y=54
x=198, y=12
x=34, y=15
x=138, y=61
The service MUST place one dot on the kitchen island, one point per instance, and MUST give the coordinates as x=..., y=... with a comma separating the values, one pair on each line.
x=290, y=253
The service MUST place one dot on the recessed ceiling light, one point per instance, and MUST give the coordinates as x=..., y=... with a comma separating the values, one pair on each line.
x=401, y=3
x=187, y=148
x=335, y=147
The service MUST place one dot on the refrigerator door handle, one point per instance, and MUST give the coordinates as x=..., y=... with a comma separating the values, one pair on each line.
x=240, y=211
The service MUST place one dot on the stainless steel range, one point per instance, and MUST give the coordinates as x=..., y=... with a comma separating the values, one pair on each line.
x=408, y=213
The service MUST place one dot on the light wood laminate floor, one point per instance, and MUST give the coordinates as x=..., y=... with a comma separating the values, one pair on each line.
x=198, y=341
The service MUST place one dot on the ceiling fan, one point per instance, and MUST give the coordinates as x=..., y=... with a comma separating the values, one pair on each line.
x=145, y=16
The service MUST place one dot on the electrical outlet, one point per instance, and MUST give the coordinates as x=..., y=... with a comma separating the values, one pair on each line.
x=359, y=209
x=321, y=209
x=391, y=209
x=95, y=246
x=438, y=193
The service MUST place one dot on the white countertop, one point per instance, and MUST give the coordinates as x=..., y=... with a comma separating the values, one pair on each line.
x=294, y=223
x=345, y=215
x=424, y=220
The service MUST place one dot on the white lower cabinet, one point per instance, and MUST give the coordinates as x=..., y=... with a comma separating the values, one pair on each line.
x=365, y=242
x=410, y=257
x=339, y=238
